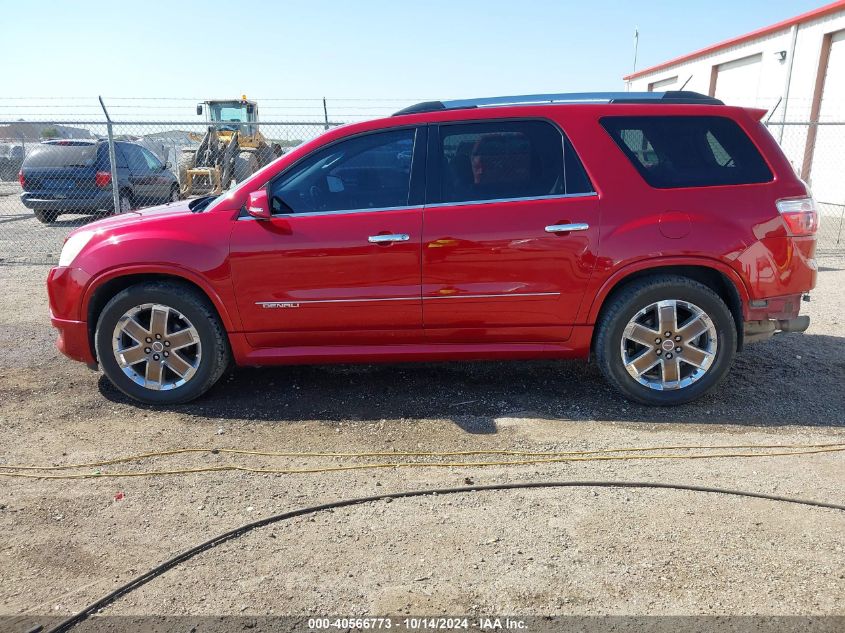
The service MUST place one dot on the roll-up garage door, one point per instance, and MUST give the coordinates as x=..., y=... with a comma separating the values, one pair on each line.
x=738, y=81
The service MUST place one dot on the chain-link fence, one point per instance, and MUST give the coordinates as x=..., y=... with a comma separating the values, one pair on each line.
x=817, y=152
x=74, y=174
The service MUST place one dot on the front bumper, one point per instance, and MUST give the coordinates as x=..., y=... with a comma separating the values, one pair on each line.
x=65, y=288
x=73, y=340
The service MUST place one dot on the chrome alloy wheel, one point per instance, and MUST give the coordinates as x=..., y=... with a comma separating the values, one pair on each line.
x=156, y=346
x=669, y=345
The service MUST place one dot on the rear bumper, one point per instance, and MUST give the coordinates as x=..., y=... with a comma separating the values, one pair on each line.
x=780, y=308
x=73, y=340
x=761, y=330
x=50, y=202
x=767, y=317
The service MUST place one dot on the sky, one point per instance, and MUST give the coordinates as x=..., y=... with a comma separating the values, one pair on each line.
x=358, y=50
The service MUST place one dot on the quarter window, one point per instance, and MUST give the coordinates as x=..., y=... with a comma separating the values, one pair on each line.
x=505, y=160
x=366, y=172
x=688, y=151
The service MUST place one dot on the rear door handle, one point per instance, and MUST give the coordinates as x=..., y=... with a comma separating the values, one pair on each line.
x=566, y=228
x=383, y=239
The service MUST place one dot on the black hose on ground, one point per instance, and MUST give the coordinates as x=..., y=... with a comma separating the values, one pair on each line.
x=156, y=571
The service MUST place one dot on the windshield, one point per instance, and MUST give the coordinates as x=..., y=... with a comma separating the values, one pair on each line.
x=229, y=112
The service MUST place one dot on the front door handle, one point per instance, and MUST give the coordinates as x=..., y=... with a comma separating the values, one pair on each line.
x=566, y=228
x=393, y=237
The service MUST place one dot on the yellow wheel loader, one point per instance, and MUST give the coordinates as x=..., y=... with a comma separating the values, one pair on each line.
x=231, y=150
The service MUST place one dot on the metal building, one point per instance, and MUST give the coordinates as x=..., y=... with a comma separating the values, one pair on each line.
x=795, y=69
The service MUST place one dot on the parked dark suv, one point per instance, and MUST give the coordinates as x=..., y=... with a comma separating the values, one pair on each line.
x=74, y=176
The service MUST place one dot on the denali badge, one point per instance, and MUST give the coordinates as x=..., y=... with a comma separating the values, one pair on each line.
x=269, y=305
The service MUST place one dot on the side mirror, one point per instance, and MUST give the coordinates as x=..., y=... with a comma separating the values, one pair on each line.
x=166, y=166
x=199, y=109
x=250, y=109
x=258, y=206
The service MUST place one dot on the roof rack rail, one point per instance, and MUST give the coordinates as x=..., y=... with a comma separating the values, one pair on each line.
x=668, y=97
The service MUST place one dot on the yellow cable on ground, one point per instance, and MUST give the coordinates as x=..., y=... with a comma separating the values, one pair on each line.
x=513, y=453
x=327, y=469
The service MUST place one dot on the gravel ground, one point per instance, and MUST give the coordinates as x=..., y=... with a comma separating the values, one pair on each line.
x=558, y=551
x=25, y=239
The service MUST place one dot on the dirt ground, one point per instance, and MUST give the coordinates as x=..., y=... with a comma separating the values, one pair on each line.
x=576, y=551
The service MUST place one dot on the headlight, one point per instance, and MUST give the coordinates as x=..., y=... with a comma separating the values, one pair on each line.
x=74, y=244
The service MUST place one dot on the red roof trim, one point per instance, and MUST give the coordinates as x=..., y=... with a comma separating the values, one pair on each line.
x=804, y=17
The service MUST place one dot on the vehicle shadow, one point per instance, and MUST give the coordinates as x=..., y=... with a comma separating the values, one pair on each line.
x=791, y=380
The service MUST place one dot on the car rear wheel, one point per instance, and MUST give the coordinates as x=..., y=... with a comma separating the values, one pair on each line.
x=665, y=340
x=46, y=217
x=125, y=202
x=161, y=343
x=174, y=193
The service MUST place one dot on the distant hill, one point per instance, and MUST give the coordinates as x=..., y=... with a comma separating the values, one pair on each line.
x=36, y=131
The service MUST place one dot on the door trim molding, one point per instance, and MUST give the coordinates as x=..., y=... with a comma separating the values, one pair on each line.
x=560, y=196
x=295, y=303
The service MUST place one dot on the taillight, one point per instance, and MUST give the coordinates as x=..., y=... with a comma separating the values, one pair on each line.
x=102, y=179
x=800, y=215
x=22, y=179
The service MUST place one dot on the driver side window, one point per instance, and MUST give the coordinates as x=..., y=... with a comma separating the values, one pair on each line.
x=366, y=172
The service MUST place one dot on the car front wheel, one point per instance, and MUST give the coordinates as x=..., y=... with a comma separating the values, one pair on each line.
x=665, y=340
x=161, y=343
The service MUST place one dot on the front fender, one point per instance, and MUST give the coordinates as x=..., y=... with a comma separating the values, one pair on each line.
x=190, y=247
x=231, y=320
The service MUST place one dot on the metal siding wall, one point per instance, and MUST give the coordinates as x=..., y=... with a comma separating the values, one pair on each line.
x=826, y=176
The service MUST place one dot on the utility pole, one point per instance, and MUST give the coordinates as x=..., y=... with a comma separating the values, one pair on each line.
x=636, y=45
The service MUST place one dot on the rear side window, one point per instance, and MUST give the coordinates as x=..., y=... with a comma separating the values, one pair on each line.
x=506, y=160
x=59, y=156
x=688, y=151
x=135, y=159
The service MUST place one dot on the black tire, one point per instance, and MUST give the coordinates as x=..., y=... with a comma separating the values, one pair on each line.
x=199, y=312
x=175, y=196
x=46, y=216
x=246, y=164
x=628, y=302
x=126, y=202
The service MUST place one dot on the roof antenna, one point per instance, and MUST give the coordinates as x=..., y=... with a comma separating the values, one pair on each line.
x=685, y=83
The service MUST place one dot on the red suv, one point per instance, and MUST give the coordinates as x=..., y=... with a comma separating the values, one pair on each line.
x=656, y=232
